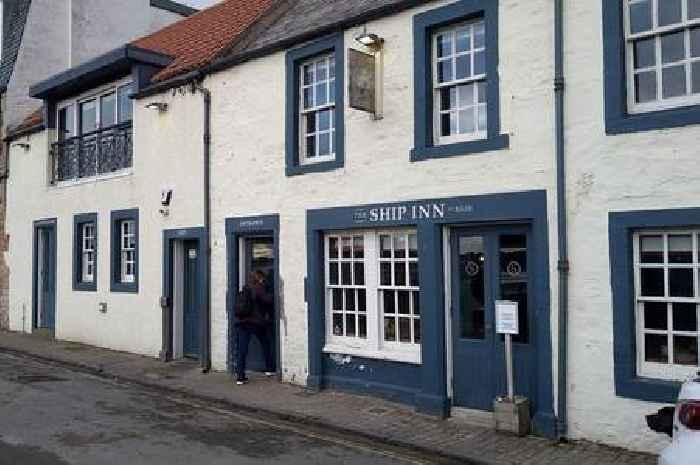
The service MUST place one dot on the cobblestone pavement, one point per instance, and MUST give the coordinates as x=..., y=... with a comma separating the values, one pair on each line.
x=341, y=413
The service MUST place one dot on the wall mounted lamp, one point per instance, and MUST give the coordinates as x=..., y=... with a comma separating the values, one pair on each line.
x=161, y=107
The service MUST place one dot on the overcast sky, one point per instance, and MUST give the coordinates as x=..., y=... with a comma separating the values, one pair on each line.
x=200, y=3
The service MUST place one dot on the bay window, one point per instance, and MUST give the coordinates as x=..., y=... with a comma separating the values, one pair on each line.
x=372, y=294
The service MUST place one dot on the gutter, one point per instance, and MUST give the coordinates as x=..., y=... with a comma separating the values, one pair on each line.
x=562, y=236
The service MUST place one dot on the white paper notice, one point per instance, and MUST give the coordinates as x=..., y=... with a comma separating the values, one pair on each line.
x=506, y=317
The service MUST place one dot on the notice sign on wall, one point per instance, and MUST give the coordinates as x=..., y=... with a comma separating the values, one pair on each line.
x=506, y=317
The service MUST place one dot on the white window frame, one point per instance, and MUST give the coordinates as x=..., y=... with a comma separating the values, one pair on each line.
x=654, y=369
x=127, y=250
x=329, y=58
x=474, y=79
x=660, y=103
x=94, y=94
x=88, y=236
x=373, y=346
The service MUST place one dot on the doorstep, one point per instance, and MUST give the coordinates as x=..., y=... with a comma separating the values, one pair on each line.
x=344, y=413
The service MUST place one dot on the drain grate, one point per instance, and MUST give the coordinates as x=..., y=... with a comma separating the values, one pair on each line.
x=30, y=379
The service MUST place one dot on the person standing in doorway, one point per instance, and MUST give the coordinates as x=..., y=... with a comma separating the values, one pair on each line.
x=254, y=312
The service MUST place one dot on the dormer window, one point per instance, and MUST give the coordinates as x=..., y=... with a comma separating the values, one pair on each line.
x=94, y=135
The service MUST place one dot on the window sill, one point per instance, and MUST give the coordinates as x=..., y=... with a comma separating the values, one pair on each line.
x=93, y=179
x=127, y=288
x=653, y=120
x=403, y=356
x=460, y=148
x=318, y=167
x=648, y=389
x=85, y=287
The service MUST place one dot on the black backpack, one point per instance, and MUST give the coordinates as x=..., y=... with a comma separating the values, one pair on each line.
x=245, y=304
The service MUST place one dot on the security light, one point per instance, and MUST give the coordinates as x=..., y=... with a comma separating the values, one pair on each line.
x=370, y=40
x=162, y=107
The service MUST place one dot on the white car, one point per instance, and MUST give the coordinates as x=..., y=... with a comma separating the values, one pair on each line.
x=685, y=447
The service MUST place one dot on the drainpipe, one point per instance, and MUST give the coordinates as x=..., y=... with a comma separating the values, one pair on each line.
x=563, y=259
x=205, y=361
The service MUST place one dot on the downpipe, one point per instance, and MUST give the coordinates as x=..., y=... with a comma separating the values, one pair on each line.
x=205, y=329
x=562, y=235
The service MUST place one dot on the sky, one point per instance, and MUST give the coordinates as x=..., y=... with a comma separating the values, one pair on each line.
x=199, y=3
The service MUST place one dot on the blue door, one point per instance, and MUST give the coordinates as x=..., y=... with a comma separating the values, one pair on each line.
x=45, y=275
x=191, y=316
x=490, y=264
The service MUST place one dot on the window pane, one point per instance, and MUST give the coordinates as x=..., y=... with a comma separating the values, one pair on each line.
x=680, y=249
x=308, y=73
x=350, y=300
x=673, y=47
x=385, y=246
x=448, y=124
x=321, y=94
x=413, y=273
x=416, y=302
x=88, y=117
x=448, y=98
x=685, y=317
x=333, y=274
x=479, y=63
x=405, y=329
x=359, y=274
x=693, y=9
x=645, y=86
x=644, y=53
x=66, y=122
x=656, y=348
x=674, y=81
x=466, y=95
x=652, y=282
x=652, y=249
x=333, y=247
x=696, y=77
x=331, y=67
x=310, y=146
x=680, y=282
x=309, y=97
x=388, y=302
x=108, y=109
x=479, y=40
x=385, y=274
x=321, y=70
x=400, y=274
x=464, y=40
x=445, y=71
x=471, y=287
x=481, y=88
x=350, y=325
x=400, y=246
x=324, y=144
x=416, y=331
x=361, y=300
x=640, y=16
x=467, y=124
x=337, y=297
x=126, y=104
x=655, y=315
x=444, y=45
x=324, y=120
x=347, y=247
x=685, y=350
x=413, y=246
x=358, y=247
x=346, y=274
x=337, y=324
x=670, y=12
x=464, y=67
x=362, y=326
x=389, y=329
x=404, y=302
x=310, y=120
x=695, y=42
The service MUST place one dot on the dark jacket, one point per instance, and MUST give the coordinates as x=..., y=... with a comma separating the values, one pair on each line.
x=263, y=304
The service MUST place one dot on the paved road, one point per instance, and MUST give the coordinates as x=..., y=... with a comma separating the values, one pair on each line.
x=53, y=416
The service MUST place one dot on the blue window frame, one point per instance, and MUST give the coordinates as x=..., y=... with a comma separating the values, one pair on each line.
x=317, y=71
x=622, y=229
x=481, y=76
x=125, y=251
x=655, y=75
x=85, y=240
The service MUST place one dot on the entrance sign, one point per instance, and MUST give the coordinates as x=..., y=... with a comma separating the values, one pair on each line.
x=507, y=317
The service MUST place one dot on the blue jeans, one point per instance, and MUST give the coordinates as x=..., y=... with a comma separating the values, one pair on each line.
x=245, y=333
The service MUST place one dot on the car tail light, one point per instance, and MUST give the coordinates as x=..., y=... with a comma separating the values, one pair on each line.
x=689, y=414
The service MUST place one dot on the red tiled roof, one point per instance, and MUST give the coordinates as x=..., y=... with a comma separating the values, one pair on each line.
x=198, y=40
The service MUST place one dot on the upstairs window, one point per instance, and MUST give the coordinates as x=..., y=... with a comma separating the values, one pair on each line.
x=314, y=125
x=125, y=250
x=317, y=109
x=662, y=40
x=459, y=80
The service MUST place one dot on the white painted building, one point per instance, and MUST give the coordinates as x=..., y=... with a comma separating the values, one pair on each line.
x=389, y=240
